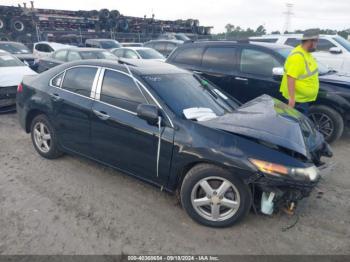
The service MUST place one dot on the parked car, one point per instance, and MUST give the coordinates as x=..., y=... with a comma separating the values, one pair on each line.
x=20, y=51
x=165, y=47
x=102, y=43
x=12, y=71
x=138, y=53
x=131, y=44
x=177, y=131
x=332, y=50
x=246, y=70
x=42, y=49
x=174, y=36
x=72, y=54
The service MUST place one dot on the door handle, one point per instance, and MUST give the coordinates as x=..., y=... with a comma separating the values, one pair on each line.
x=56, y=97
x=101, y=115
x=240, y=78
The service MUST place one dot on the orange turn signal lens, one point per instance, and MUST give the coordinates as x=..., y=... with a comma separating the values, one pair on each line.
x=269, y=168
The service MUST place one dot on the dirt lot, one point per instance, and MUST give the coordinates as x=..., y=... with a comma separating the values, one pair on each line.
x=74, y=206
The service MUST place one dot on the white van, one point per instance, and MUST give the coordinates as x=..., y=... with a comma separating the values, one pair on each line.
x=332, y=50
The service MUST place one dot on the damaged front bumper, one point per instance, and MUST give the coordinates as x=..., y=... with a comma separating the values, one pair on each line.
x=272, y=194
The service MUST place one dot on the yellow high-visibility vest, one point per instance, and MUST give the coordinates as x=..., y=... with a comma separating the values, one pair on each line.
x=302, y=66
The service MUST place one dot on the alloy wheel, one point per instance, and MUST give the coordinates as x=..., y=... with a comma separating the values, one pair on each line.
x=215, y=198
x=323, y=124
x=42, y=137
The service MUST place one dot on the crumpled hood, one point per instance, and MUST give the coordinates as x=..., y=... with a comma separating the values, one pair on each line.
x=12, y=76
x=269, y=120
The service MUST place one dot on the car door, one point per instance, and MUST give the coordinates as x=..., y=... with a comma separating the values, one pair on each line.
x=219, y=65
x=324, y=55
x=254, y=76
x=70, y=94
x=123, y=140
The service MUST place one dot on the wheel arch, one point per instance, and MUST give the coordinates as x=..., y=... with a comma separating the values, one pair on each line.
x=30, y=116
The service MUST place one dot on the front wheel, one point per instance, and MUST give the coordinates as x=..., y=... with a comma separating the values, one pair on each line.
x=214, y=197
x=327, y=121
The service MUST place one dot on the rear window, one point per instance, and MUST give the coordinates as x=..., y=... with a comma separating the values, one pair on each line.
x=293, y=42
x=79, y=80
x=110, y=44
x=7, y=60
x=219, y=59
x=265, y=40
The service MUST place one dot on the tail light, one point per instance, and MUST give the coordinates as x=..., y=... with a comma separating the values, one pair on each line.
x=20, y=88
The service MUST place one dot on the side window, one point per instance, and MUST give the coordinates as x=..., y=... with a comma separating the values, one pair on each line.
x=170, y=47
x=324, y=45
x=189, y=56
x=120, y=90
x=43, y=48
x=79, y=80
x=119, y=52
x=160, y=46
x=57, y=80
x=292, y=42
x=60, y=55
x=130, y=54
x=219, y=59
x=257, y=62
x=73, y=56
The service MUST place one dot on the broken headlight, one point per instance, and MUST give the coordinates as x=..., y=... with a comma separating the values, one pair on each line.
x=310, y=173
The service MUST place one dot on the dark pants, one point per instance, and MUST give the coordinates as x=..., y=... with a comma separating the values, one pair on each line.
x=302, y=108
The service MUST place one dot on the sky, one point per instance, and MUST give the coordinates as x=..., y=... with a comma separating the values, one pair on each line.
x=332, y=14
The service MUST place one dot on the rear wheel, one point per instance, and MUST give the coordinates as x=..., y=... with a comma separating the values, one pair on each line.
x=214, y=197
x=44, y=137
x=327, y=121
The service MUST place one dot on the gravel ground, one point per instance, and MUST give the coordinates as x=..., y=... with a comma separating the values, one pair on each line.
x=74, y=206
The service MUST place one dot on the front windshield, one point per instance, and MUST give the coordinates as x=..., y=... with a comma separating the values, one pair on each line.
x=186, y=91
x=97, y=55
x=150, y=54
x=344, y=43
x=110, y=44
x=7, y=60
x=15, y=48
x=322, y=69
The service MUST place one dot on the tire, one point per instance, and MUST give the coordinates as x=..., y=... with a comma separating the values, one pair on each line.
x=17, y=25
x=192, y=190
x=2, y=24
x=334, y=118
x=52, y=151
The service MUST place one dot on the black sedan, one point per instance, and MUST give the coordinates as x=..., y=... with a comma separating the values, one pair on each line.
x=177, y=131
x=72, y=54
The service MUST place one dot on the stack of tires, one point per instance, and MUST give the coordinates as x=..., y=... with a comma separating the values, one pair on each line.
x=112, y=20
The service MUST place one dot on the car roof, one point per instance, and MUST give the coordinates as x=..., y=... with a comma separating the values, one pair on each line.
x=234, y=43
x=287, y=35
x=100, y=39
x=82, y=49
x=136, y=66
x=166, y=40
x=53, y=44
x=135, y=48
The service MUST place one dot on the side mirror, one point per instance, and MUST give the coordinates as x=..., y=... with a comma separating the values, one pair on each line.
x=335, y=50
x=150, y=113
x=277, y=72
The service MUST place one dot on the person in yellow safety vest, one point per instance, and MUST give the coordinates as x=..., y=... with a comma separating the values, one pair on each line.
x=300, y=82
